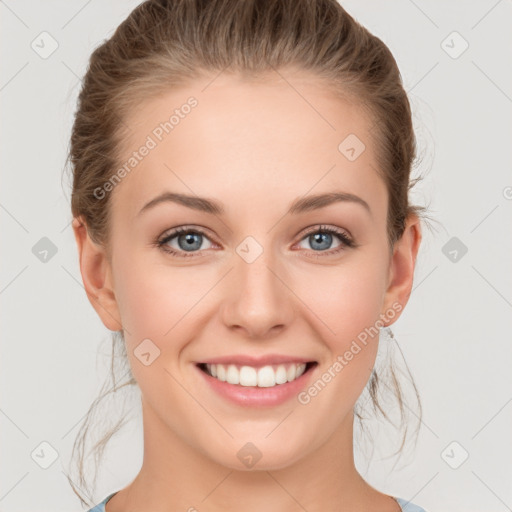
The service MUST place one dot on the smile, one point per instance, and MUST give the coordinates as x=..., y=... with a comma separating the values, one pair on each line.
x=264, y=377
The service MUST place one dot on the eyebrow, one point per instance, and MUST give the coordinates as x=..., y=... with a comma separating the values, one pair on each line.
x=301, y=205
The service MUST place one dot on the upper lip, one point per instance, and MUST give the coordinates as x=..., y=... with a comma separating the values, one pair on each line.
x=246, y=360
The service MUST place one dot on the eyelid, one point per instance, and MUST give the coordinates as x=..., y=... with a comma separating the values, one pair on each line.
x=172, y=232
x=325, y=228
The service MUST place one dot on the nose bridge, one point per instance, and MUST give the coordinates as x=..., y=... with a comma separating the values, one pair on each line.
x=258, y=300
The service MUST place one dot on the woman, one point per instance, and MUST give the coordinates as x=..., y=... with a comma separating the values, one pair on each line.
x=240, y=200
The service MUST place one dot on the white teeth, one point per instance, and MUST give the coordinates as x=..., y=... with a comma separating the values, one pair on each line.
x=264, y=377
x=291, y=373
x=281, y=376
x=248, y=376
x=232, y=375
x=221, y=372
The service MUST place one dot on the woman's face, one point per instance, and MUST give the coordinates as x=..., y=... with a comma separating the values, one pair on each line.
x=255, y=276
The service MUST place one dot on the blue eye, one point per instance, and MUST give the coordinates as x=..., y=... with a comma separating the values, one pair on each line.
x=189, y=241
x=321, y=238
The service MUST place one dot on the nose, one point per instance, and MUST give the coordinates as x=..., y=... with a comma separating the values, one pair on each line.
x=258, y=302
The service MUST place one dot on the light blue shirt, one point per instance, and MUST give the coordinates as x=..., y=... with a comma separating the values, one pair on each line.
x=407, y=506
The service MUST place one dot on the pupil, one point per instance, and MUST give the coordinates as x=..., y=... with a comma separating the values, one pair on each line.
x=190, y=241
x=317, y=238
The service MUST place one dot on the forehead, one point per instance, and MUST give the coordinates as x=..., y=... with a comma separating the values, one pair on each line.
x=279, y=138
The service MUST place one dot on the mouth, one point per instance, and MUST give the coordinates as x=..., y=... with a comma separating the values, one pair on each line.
x=267, y=376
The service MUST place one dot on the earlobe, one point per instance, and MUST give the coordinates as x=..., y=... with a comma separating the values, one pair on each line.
x=97, y=276
x=403, y=262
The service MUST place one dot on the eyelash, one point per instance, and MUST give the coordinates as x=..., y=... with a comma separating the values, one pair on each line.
x=346, y=241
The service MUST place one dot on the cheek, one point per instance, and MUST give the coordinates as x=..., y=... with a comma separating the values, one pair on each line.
x=347, y=302
x=347, y=298
x=154, y=307
x=162, y=304
x=144, y=307
x=146, y=291
x=347, y=309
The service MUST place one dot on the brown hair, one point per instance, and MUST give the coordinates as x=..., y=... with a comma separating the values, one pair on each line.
x=164, y=43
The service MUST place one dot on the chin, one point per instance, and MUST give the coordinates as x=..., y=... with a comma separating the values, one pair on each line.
x=257, y=455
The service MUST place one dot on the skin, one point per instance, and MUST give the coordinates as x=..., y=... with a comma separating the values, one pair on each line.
x=255, y=147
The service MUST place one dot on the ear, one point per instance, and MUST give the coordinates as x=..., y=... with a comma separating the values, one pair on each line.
x=401, y=269
x=97, y=276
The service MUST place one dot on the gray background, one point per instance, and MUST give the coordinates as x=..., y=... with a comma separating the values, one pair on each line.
x=454, y=333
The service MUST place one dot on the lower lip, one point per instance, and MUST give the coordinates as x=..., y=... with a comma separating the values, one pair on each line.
x=254, y=396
